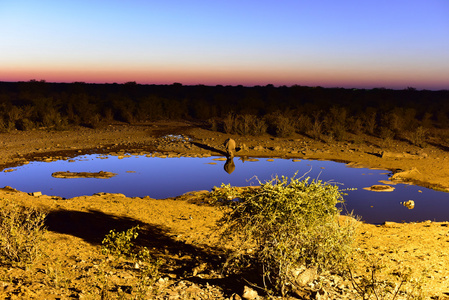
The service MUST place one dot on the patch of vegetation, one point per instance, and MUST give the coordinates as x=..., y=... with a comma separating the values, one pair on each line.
x=379, y=284
x=284, y=226
x=22, y=231
x=323, y=114
x=120, y=245
x=418, y=137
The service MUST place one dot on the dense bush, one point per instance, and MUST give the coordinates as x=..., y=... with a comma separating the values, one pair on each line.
x=284, y=226
x=21, y=233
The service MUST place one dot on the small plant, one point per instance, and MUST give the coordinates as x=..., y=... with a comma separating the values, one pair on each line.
x=149, y=273
x=283, y=226
x=21, y=233
x=120, y=243
x=212, y=124
x=377, y=284
x=56, y=274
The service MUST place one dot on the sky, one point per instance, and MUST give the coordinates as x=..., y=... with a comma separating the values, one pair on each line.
x=346, y=43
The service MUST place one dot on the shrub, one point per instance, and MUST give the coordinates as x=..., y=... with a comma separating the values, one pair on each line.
x=259, y=126
x=285, y=225
x=317, y=127
x=370, y=121
x=243, y=124
x=21, y=233
x=283, y=126
x=418, y=136
x=304, y=123
x=355, y=125
x=25, y=124
x=228, y=123
x=387, y=136
x=120, y=243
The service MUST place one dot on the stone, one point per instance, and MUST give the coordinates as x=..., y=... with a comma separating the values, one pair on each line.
x=249, y=293
x=389, y=224
x=379, y=188
x=68, y=174
x=244, y=147
x=303, y=276
x=404, y=175
x=36, y=194
x=235, y=297
x=410, y=204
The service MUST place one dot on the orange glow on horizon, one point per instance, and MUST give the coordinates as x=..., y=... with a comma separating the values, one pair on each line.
x=225, y=76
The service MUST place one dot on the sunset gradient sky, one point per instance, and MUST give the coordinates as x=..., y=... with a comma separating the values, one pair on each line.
x=347, y=43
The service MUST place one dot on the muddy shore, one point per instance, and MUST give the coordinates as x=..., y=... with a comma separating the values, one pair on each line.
x=430, y=165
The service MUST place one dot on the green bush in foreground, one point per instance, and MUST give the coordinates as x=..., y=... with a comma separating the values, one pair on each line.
x=284, y=226
x=21, y=233
x=120, y=243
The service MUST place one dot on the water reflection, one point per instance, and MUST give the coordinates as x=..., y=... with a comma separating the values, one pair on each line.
x=229, y=166
x=139, y=176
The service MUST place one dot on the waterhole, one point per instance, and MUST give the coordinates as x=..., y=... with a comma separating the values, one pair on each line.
x=140, y=176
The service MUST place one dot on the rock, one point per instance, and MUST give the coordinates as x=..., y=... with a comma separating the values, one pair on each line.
x=235, y=297
x=249, y=294
x=199, y=269
x=379, y=188
x=68, y=174
x=219, y=159
x=391, y=224
x=408, y=174
x=9, y=189
x=303, y=276
x=36, y=194
x=410, y=204
x=243, y=147
x=252, y=159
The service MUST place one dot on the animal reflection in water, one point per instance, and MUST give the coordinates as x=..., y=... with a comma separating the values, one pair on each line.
x=229, y=166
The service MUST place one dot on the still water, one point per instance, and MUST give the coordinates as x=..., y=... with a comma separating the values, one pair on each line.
x=139, y=176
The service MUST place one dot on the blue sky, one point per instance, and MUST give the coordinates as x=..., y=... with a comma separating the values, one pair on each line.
x=392, y=44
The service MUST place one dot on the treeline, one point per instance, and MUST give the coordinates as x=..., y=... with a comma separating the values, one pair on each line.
x=322, y=113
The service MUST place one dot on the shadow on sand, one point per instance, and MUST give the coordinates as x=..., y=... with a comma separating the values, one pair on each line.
x=181, y=258
x=209, y=148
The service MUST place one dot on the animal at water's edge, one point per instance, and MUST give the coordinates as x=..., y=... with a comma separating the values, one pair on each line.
x=230, y=147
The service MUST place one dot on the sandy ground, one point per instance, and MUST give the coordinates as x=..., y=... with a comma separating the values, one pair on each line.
x=180, y=231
